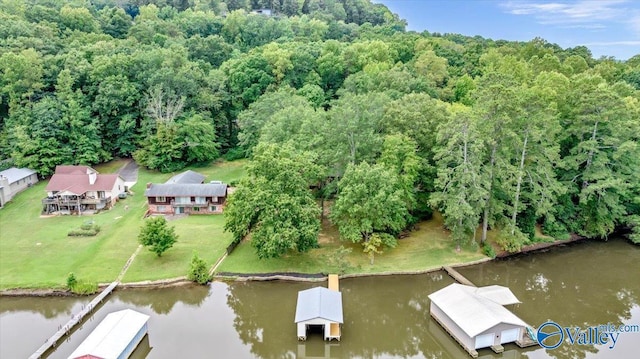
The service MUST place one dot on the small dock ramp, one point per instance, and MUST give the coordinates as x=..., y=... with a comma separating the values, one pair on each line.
x=457, y=276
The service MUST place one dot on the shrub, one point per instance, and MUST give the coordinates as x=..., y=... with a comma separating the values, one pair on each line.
x=511, y=242
x=234, y=154
x=555, y=229
x=198, y=270
x=488, y=250
x=71, y=281
x=85, y=288
x=86, y=230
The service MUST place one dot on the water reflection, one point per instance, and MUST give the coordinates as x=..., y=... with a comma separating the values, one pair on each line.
x=385, y=317
x=580, y=285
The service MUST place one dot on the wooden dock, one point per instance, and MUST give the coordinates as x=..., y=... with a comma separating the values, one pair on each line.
x=75, y=320
x=334, y=328
x=334, y=282
x=457, y=276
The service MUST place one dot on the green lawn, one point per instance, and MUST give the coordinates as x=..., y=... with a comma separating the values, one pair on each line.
x=427, y=247
x=203, y=234
x=36, y=252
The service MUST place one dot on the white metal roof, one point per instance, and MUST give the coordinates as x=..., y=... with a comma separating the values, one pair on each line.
x=112, y=335
x=319, y=302
x=475, y=310
x=497, y=293
x=14, y=174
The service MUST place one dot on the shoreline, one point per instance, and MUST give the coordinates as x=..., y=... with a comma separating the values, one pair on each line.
x=283, y=276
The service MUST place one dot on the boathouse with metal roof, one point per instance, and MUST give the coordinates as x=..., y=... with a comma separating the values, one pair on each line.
x=476, y=317
x=117, y=336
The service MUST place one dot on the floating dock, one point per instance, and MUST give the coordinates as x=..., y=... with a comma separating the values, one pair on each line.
x=476, y=317
x=320, y=306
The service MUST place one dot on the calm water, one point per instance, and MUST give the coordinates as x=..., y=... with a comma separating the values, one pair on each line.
x=385, y=317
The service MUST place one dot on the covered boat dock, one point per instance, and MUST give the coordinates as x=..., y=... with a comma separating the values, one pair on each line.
x=322, y=307
x=117, y=336
x=476, y=317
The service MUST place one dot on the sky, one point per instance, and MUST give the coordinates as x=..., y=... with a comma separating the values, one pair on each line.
x=606, y=27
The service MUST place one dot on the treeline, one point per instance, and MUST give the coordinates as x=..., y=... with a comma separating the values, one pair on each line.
x=387, y=123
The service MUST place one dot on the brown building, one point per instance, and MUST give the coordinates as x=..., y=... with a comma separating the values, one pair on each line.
x=186, y=194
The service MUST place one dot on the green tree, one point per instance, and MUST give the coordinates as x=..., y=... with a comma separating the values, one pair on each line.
x=198, y=270
x=274, y=204
x=370, y=200
x=461, y=185
x=157, y=235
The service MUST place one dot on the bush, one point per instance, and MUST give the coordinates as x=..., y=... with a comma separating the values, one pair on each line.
x=85, y=288
x=511, y=242
x=555, y=229
x=198, y=270
x=234, y=154
x=86, y=230
x=71, y=281
x=488, y=250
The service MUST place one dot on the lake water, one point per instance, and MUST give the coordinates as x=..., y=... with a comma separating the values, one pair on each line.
x=585, y=284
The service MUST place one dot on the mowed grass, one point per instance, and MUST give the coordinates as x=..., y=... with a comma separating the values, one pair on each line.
x=36, y=252
x=429, y=246
x=203, y=234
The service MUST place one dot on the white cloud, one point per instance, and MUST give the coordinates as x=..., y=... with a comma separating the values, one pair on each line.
x=570, y=13
x=612, y=43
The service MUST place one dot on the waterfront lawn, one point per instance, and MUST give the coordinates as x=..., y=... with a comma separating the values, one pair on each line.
x=427, y=247
x=203, y=234
x=36, y=252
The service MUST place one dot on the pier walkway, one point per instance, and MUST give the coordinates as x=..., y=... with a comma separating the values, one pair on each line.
x=75, y=319
x=457, y=276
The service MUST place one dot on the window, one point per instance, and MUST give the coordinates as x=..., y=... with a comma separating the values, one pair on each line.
x=100, y=194
x=161, y=208
x=183, y=200
x=213, y=208
x=214, y=199
x=201, y=200
x=161, y=199
x=196, y=209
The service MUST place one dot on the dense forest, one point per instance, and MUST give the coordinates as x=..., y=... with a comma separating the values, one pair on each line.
x=332, y=95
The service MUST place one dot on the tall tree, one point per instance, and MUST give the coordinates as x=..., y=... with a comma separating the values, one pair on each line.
x=274, y=204
x=462, y=186
x=370, y=200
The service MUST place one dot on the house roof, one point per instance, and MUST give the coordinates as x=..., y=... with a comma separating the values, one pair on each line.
x=73, y=170
x=79, y=183
x=475, y=310
x=112, y=336
x=319, y=302
x=14, y=174
x=186, y=177
x=184, y=190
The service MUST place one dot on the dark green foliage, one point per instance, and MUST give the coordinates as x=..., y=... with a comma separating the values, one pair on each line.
x=198, y=270
x=526, y=221
x=487, y=250
x=157, y=235
x=84, y=288
x=71, y=280
x=275, y=204
x=555, y=229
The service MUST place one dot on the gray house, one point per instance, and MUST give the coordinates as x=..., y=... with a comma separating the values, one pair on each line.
x=476, y=317
x=15, y=180
x=185, y=193
x=319, y=306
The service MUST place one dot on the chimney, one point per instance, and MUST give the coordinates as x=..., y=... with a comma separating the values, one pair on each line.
x=92, y=177
x=148, y=185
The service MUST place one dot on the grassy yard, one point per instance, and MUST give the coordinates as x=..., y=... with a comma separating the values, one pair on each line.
x=427, y=247
x=36, y=252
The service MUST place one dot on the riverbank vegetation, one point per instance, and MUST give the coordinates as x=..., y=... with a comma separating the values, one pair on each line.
x=389, y=125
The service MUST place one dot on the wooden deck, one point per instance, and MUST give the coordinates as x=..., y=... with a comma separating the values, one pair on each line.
x=334, y=331
x=457, y=276
x=334, y=283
